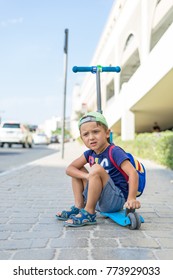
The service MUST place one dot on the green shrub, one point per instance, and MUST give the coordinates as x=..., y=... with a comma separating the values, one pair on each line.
x=165, y=149
x=154, y=146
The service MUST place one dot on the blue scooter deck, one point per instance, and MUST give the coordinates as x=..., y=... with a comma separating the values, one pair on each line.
x=120, y=217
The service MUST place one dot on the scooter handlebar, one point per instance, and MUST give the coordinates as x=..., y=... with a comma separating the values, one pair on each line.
x=82, y=69
x=111, y=69
x=94, y=69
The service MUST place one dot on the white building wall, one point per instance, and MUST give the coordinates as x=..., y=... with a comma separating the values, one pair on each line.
x=139, y=18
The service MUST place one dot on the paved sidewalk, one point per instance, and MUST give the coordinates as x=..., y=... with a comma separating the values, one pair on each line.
x=29, y=230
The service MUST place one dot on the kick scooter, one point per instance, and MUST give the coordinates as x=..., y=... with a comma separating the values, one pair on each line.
x=125, y=217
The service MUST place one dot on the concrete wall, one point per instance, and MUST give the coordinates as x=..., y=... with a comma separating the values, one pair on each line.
x=137, y=37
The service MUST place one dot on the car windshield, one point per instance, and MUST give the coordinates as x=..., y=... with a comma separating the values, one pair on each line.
x=11, y=125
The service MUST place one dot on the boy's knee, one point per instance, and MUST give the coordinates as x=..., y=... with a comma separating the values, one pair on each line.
x=96, y=169
x=98, y=172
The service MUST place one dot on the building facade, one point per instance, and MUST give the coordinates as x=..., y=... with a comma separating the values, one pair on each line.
x=138, y=38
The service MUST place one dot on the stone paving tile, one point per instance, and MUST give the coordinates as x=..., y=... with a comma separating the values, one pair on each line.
x=71, y=254
x=122, y=254
x=39, y=242
x=5, y=255
x=164, y=254
x=166, y=243
x=69, y=243
x=104, y=242
x=4, y=220
x=84, y=233
x=151, y=226
x=159, y=233
x=15, y=227
x=23, y=220
x=4, y=235
x=139, y=242
x=32, y=254
x=15, y=244
x=45, y=227
x=26, y=215
x=36, y=234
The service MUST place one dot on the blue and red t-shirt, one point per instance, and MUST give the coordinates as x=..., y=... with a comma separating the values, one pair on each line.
x=103, y=159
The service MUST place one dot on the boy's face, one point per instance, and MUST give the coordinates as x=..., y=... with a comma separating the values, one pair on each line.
x=94, y=136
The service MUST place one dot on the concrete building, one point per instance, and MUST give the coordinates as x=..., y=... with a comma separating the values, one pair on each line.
x=51, y=125
x=138, y=38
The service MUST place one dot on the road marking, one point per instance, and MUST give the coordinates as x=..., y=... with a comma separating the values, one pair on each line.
x=29, y=164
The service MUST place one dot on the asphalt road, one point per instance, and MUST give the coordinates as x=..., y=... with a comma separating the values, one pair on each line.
x=16, y=156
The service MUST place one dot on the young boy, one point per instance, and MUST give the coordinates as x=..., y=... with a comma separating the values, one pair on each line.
x=103, y=187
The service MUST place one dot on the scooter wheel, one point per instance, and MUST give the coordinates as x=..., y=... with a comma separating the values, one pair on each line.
x=138, y=221
x=133, y=221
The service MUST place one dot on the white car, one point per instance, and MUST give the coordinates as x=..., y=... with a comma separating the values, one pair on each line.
x=40, y=139
x=15, y=133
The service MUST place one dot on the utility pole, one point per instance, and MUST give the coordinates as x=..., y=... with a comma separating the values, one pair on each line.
x=65, y=88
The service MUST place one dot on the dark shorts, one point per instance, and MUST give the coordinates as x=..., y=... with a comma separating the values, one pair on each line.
x=111, y=198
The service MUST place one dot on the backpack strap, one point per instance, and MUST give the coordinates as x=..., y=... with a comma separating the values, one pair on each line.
x=116, y=165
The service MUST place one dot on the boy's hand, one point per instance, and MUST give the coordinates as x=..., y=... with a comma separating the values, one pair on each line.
x=132, y=204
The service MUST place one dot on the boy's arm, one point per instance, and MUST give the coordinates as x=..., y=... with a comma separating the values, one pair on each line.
x=75, y=168
x=128, y=168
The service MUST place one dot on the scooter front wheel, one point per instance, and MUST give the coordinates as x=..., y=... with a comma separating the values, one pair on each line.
x=138, y=221
x=133, y=221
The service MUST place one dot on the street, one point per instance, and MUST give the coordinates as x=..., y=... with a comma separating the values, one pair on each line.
x=16, y=156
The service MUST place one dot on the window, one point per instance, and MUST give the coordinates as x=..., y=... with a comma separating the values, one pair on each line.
x=11, y=125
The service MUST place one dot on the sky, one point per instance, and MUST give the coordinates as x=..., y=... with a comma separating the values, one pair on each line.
x=32, y=67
